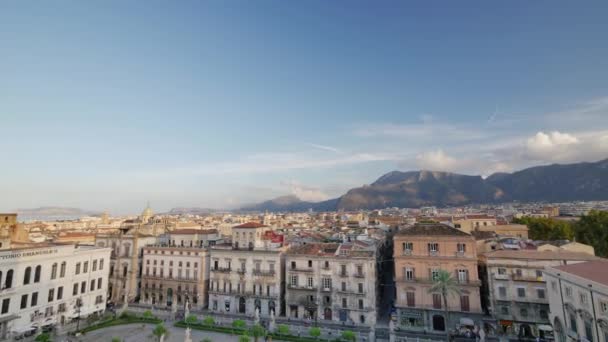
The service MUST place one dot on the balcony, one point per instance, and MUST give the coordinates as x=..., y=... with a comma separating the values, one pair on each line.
x=221, y=270
x=359, y=275
x=241, y=271
x=434, y=253
x=304, y=288
x=501, y=276
x=343, y=275
x=407, y=252
x=460, y=254
x=522, y=277
x=295, y=269
x=261, y=273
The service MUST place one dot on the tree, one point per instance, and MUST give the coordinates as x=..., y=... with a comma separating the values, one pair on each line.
x=116, y=339
x=44, y=337
x=192, y=319
x=257, y=331
x=209, y=321
x=315, y=332
x=159, y=330
x=244, y=338
x=592, y=229
x=148, y=314
x=239, y=324
x=446, y=285
x=206, y=339
x=541, y=228
x=348, y=335
x=283, y=329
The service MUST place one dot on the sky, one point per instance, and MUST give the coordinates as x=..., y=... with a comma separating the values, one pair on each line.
x=106, y=105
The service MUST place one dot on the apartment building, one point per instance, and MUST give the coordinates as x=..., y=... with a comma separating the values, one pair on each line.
x=247, y=275
x=125, y=262
x=515, y=291
x=175, y=275
x=332, y=282
x=420, y=252
x=578, y=297
x=50, y=284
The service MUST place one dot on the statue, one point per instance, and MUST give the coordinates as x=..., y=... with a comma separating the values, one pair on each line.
x=482, y=335
x=162, y=338
x=391, y=331
x=256, y=317
x=188, y=335
x=186, y=310
x=272, y=324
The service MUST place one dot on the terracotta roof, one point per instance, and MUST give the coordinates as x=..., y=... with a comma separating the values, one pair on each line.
x=250, y=225
x=314, y=249
x=539, y=255
x=434, y=229
x=482, y=235
x=588, y=270
x=192, y=231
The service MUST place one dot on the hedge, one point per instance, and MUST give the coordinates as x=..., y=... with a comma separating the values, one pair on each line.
x=120, y=321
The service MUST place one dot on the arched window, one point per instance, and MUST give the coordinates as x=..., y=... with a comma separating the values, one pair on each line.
x=37, y=274
x=62, y=271
x=54, y=271
x=27, y=275
x=8, y=282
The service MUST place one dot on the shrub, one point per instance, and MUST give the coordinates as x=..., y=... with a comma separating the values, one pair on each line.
x=147, y=314
x=348, y=335
x=315, y=332
x=209, y=321
x=44, y=337
x=244, y=338
x=191, y=319
x=257, y=331
x=283, y=329
x=159, y=330
x=239, y=324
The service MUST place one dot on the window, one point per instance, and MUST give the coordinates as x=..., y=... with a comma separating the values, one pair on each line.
x=6, y=302
x=436, y=301
x=463, y=275
x=502, y=271
x=573, y=326
x=54, y=271
x=75, y=290
x=568, y=292
x=62, y=271
x=360, y=304
x=543, y=314
x=408, y=247
x=77, y=268
x=344, y=303
x=434, y=273
x=8, y=281
x=504, y=310
x=309, y=263
x=60, y=292
x=502, y=292
x=294, y=280
x=293, y=265
x=343, y=270
x=409, y=273
x=343, y=286
x=518, y=272
x=461, y=247
x=540, y=293
x=523, y=312
x=360, y=287
x=94, y=267
x=27, y=275
x=85, y=267
x=34, y=299
x=464, y=303
x=360, y=270
x=554, y=287
x=309, y=282
x=51, y=295
x=83, y=287
x=433, y=248
x=521, y=292
x=24, y=301
x=604, y=307
x=411, y=299
x=588, y=331
x=326, y=283
x=92, y=287
x=326, y=264
x=37, y=274
x=583, y=298
x=539, y=274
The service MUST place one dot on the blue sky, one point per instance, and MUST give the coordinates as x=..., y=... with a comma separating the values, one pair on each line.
x=108, y=104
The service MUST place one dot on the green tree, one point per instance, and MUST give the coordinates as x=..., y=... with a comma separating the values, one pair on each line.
x=208, y=321
x=540, y=228
x=206, y=339
x=159, y=330
x=191, y=319
x=315, y=332
x=44, y=337
x=446, y=285
x=592, y=229
x=348, y=335
x=244, y=338
x=283, y=329
x=116, y=339
x=257, y=331
x=147, y=314
x=239, y=324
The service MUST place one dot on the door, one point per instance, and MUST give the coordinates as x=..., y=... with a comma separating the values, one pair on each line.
x=327, y=314
x=438, y=323
x=242, y=305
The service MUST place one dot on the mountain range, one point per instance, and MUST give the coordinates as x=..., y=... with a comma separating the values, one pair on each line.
x=550, y=183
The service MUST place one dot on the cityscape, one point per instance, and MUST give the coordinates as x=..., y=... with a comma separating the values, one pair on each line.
x=399, y=171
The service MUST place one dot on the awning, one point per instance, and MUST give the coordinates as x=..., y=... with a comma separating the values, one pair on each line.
x=545, y=327
x=24, y=329
x=467, y=321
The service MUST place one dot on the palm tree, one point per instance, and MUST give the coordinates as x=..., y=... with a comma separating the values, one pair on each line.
x=445, y=284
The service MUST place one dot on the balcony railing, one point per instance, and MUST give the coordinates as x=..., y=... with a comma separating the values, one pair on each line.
x=296, y=269
x=343, y=274
x=221, y=269
x=298, y=287
x=522, y=277
x=359, y=275
x=262, y=273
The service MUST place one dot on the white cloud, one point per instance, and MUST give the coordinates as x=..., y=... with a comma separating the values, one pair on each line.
x=325, y=148
x=567, y=147
x=436, y=161
x=305, y=193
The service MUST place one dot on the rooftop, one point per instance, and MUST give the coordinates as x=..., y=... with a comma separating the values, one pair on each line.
x=191, y=231
x=588, y=270
x=539, y=255
x=250, y=225
x=433, y=229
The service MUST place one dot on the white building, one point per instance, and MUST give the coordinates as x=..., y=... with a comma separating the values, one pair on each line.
x=578, y=297
x=50, y=284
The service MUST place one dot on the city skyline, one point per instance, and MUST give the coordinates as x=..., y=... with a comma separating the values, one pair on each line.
x=106, y=106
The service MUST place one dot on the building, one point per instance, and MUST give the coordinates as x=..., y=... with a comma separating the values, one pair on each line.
x=469, y=223
x=11, y=231
x=332, y=282
x=515, y=291
x=126, y=262
x=50, y=284
x=420, y=252
x=578, y=297
x=175, y=275
x=247, y=275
